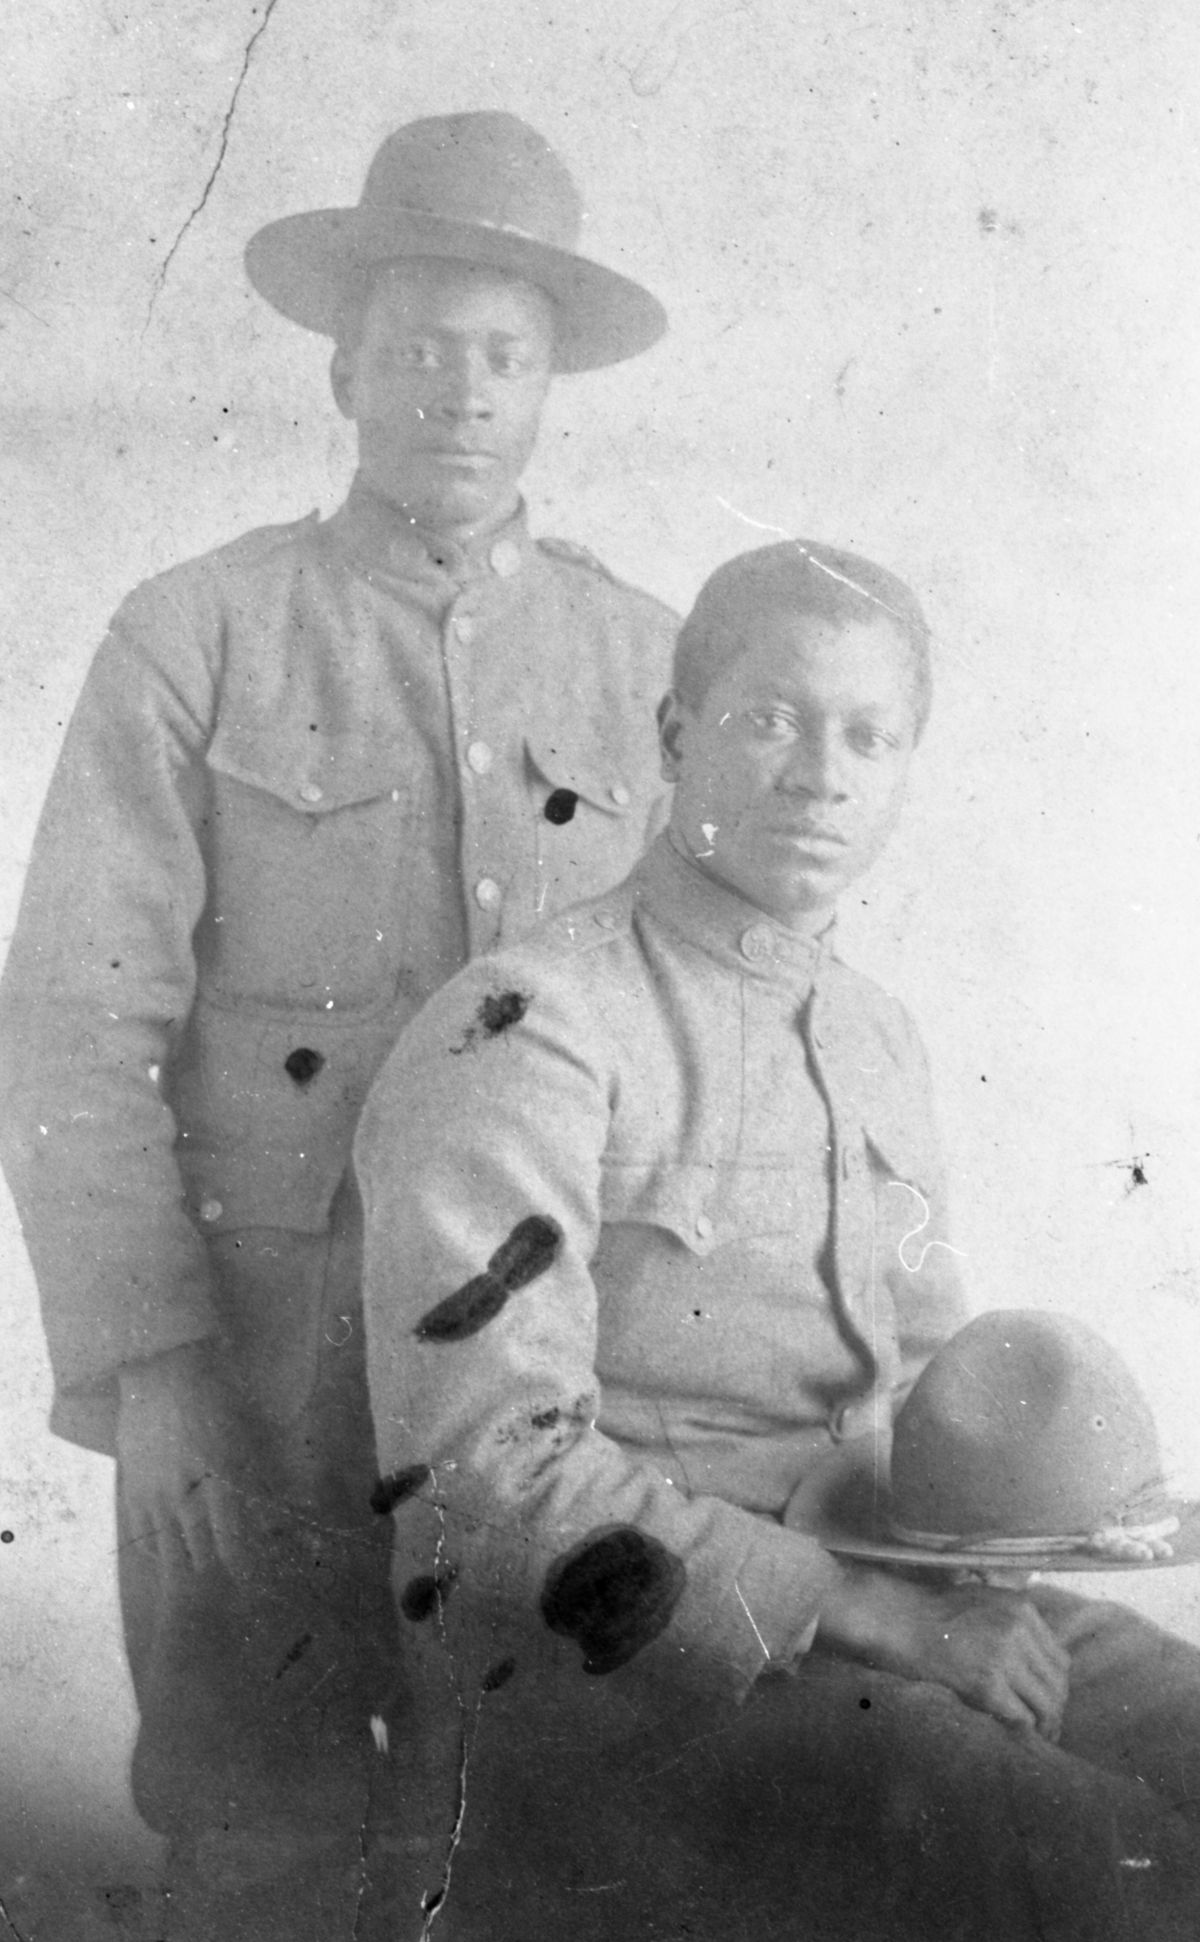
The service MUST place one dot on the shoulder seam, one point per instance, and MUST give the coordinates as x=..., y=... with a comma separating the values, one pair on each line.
x=570, y=553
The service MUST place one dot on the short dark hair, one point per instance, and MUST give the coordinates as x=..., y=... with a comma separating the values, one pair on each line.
x=797, y=576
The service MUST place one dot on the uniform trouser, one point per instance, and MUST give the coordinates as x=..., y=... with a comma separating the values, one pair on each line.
x=838, y=1805
x=256, y=1754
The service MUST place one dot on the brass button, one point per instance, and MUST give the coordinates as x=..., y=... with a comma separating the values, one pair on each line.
x=505, y=558
x=704, y=1227
x=311, y=792
x=621, y=795
x=487, y=893
x=479, y=757
x=464, y=629
x=211, y=1210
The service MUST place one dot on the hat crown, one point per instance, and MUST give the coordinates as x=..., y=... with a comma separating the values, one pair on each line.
x=1024, y=1425
x=481, y=168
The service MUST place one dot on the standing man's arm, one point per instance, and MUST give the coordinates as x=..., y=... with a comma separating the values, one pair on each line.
x=96, y=994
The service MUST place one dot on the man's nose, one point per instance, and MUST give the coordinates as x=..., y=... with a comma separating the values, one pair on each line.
x=815, y=767
x=465, y=389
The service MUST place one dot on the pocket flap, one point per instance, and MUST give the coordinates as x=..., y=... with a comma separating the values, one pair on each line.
x=901, y=1151
x=562, y=764
x=675, y=1198
x=313, y=775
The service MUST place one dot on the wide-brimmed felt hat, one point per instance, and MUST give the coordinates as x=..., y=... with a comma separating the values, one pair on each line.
x=1025, y=1445
x=478, y=188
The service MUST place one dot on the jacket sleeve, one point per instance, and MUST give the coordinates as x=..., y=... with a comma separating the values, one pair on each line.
x=479, y=1155
x=99, y=979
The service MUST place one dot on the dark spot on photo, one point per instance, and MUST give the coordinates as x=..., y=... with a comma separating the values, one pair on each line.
x=123, y=1900
x=530, y=1249
x=303, y=1064
x=6, y=1537
x=613, y=1593
x=501, y=1009
x=545, y=1419
x=498, y=1012
x=865, y=1704
x=560, y=806
x=400, y=1485
x=465, y=1312
x=294, y=1652
x=498, y=1675
x=421, y=1596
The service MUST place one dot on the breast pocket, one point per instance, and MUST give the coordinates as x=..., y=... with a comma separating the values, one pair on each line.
x=310, y=868
x=590, y=819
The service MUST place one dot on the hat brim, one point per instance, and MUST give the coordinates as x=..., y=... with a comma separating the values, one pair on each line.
x=308, y=266
x=844, y=1506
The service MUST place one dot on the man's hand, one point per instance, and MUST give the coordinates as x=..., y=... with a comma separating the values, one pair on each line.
x=191, y=1470
x=992, y=1647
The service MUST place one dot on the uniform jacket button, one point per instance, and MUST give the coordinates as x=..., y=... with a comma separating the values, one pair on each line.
x=756, y=942
x=704, y=1227
x=311, y=792
x=479, y=757
x=621, y=795
x=211, y=1210
x=487, y=893
x=464, y=629
x=505, y=558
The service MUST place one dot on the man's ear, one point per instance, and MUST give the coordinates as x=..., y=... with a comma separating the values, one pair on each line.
x=672, y=729
x=341, y=379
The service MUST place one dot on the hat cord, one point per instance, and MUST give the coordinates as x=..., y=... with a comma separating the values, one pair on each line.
x=1125, y=1543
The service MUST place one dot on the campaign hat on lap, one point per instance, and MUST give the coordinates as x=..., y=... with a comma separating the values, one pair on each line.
x=1025, y=1445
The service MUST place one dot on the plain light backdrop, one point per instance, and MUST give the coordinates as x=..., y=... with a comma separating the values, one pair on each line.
x=932, y=270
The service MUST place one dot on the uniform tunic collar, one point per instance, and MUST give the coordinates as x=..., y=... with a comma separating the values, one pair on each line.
x=384, y=540
x=726, y=927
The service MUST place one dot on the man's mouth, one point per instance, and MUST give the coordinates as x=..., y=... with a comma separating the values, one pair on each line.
x=818, y=834
x=471, y=457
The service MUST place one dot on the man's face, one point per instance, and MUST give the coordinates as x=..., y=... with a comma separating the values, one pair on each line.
x=446, y=384
x=790, y=774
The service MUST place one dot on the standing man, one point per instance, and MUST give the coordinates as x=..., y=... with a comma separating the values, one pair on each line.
x=309, y=776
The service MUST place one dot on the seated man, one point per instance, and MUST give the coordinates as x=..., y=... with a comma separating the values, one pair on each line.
x=653, y=1222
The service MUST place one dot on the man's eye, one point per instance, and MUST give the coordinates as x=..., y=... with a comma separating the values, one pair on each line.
x=510, y=364
x=417, y=357
x=871, y=741
x=772, y=725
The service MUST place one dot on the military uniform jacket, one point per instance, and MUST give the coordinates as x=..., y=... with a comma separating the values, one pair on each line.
x=309, y=775
x=654, y=1217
